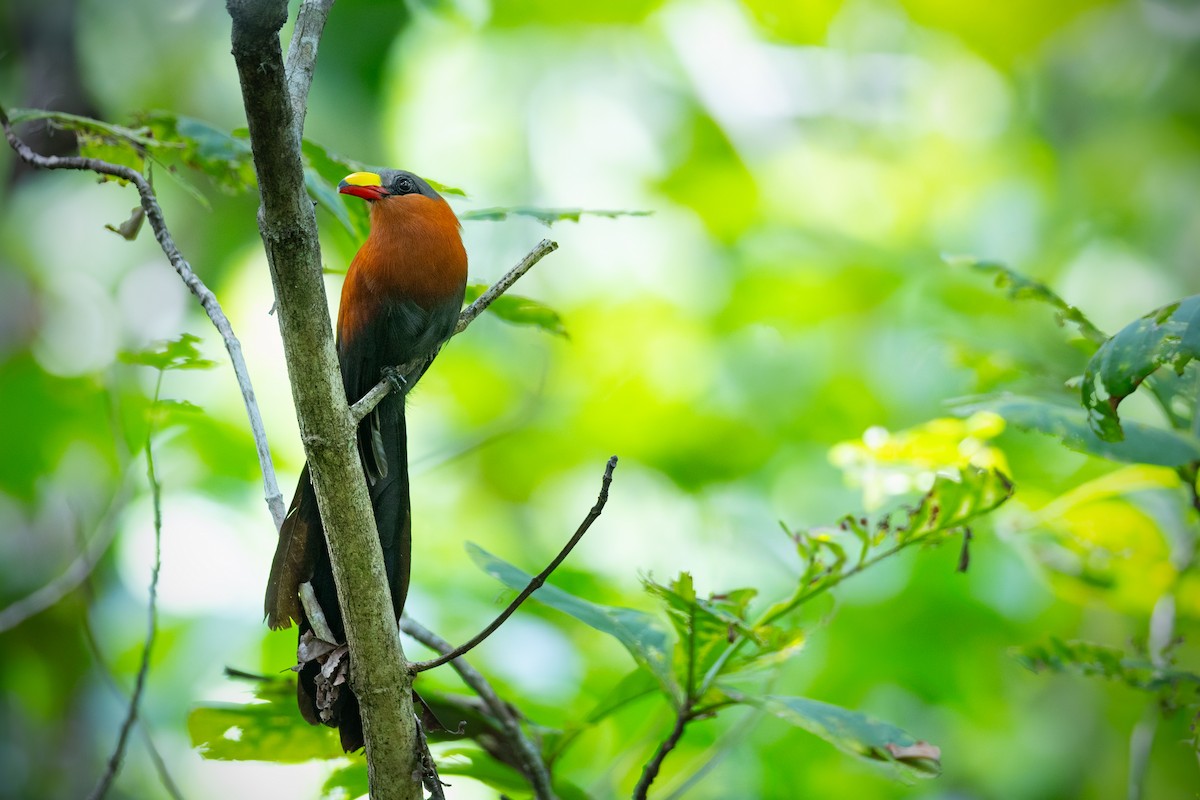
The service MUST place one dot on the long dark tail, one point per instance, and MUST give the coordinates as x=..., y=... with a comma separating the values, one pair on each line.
x=303, y=555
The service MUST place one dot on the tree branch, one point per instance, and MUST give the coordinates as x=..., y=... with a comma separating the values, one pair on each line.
x=650, y=772
x=302, y=55
x=288, y=226
x=532, y=764
x=380, y=390
x=201, y=292
x=534, y=584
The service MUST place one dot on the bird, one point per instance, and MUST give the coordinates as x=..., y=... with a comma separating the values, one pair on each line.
x=399, y=304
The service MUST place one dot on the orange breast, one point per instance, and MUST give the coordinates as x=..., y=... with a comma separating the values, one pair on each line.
x=414, y=252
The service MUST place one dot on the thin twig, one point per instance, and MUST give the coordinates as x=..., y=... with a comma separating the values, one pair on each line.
x=534, y=584
x=380, y=390
x=543, y=248
x=302, y=55
x=729, y=741
x=139, y=686
x=429, y=774
x=532, y=764
x=650, y=772
x=197, y=287
x=160, y=765
x=315, y=614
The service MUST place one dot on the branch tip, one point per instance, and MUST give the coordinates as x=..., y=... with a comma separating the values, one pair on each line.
x=534, y=584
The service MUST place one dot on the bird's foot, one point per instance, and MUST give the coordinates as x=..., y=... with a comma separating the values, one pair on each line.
x=393, y=376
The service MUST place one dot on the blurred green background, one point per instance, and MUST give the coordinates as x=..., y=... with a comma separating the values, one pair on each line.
x=808, y=165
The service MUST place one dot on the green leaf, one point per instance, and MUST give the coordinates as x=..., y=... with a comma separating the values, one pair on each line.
x=142, y=136
x=940, y=514
x=113, y=150
x=1086, y=658
x=546, y=216
x=774, y=646
x=953, y=502
x=333, y=167
x=520, y=310
x=473, y=763
x=643, y=635
x=165, y=413
x=1143, y=444
x=705, y=628
x=350, y=781
x=221, y=155
x=632, y=687
x=1166, y=337
x=329, y=169
x=267, y=730
x=444, y=188
x=327, y=197
x=854, y=733
x=179, y=353
x=635, y=686
x=1022, y=287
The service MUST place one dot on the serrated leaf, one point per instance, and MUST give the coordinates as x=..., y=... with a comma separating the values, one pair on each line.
x=854, y=732
x=1022, y=287
x=1095, y=660
x=518, y=310
x=704, y=628
x=644, y=636
x=178, y=353
x=1143, y=444
x=546, y=216
x=1166, y=337
x=142, y=136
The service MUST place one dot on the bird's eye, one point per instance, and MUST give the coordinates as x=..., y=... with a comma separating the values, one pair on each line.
x=404, y=186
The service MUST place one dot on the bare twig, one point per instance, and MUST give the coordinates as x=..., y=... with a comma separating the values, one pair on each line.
x=729, y=741
x=650, y=772
x=534, y=584
x=207, y=299
x=380, y=390
x=160, y=766
x=532, y=764
x=316, y=614
x=139, y=686
x=543, y=248
x=302, y=55
x=429, y=774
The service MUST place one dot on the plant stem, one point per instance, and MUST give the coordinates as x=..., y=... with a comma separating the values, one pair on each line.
x=650, y=772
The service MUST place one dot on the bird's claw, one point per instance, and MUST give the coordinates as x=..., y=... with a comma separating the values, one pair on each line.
x=393, y=376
